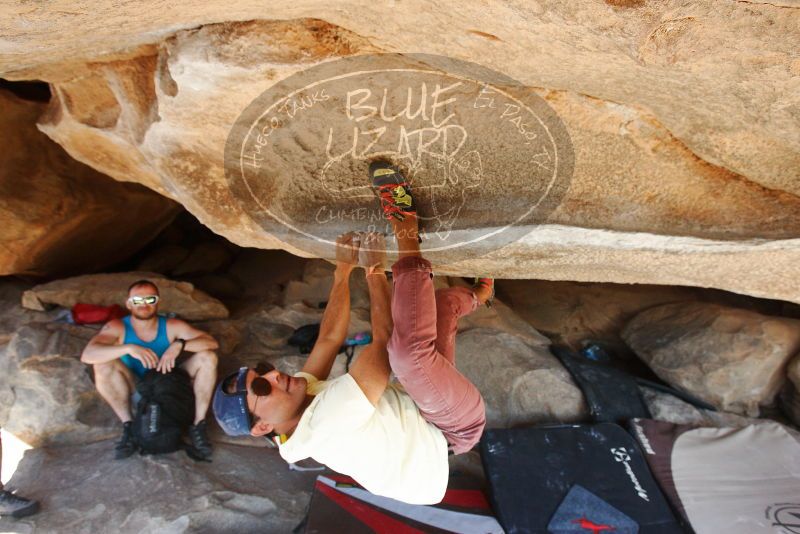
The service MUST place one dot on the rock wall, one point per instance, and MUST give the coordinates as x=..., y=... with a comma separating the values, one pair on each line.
x=574, y=312
x=681, y=116
x=733, y=358
x=59, y=216
x=48, y=394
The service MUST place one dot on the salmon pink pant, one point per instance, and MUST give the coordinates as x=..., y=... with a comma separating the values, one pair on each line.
x=422, y=352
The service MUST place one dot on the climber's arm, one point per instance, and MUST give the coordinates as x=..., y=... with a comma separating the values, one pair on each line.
x=336, y=319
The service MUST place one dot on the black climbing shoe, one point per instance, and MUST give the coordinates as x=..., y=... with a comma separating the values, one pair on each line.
x=392, y=189
x=200, y=449
x=126, y=445
x=16, y=506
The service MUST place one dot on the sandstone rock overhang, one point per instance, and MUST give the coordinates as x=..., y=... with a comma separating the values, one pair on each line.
x=686, y=152
x=59, y=216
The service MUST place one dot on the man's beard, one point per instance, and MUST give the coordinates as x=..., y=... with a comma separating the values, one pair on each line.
x=143, y=315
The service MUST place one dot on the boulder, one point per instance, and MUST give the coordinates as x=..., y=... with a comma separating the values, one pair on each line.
x=59, y=216
x=501, y=318
x=12, y=315
x=666, y=407
x=299, y=314
x=105, y=289
x=228, y=333
x=573, y=312
x=48, y=394
x=315, y=286
x=790, y=396
x=520, y=384
x=126, y=101
x=245, y=489
x=732, y=358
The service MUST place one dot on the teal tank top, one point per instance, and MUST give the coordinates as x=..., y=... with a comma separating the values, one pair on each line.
x=158, y=345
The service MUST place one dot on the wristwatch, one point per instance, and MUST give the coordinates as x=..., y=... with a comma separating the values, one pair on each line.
x=183, y=343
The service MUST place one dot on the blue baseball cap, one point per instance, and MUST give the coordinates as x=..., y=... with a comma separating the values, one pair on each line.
x=230, y=409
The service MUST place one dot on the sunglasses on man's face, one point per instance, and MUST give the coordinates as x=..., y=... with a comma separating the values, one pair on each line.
x=148, y=300
x=260, y=385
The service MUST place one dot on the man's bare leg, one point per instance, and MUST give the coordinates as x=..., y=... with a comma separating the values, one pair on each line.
x=114, y=382
x=202, y=369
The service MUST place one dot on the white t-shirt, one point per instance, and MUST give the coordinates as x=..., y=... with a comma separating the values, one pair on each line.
x=390, y=449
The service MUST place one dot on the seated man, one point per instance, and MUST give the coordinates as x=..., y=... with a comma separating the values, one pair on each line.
x=119, y=353
x=393, y=440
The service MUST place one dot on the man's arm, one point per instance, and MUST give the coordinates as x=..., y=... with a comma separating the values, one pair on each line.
x=371, y=370
x=195, y=340
x=105, y=346
x=335, y=320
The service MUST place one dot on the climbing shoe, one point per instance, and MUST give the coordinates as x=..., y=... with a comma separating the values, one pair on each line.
x=393, y=190
x=485, y=282
x=126, y=445
x=16, y=506
x=200, y=449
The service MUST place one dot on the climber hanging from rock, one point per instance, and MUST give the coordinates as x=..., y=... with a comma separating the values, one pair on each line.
x=393, y=440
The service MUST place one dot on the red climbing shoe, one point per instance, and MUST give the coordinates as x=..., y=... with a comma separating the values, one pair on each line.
x=392, y=189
